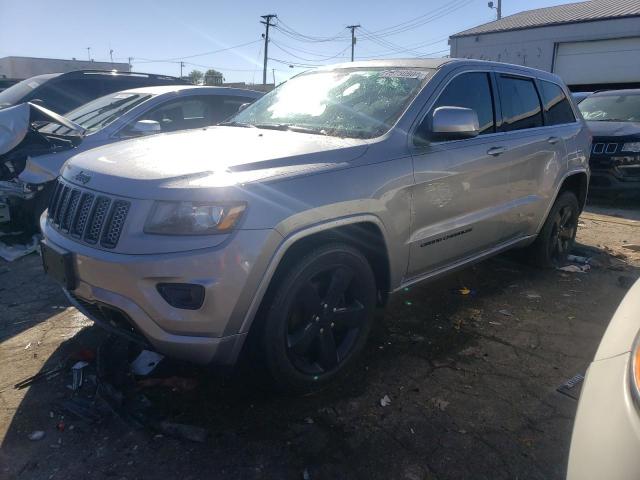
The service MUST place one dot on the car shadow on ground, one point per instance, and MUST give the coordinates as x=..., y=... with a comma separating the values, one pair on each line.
x=469, y=364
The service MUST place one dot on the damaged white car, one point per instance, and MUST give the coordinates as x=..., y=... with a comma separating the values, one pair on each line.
x=35, y=142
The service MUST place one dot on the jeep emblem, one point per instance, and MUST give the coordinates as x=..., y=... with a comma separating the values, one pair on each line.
x=83, y=178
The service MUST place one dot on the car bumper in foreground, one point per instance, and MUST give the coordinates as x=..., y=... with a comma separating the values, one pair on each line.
x=119, y=292
x=606, y=434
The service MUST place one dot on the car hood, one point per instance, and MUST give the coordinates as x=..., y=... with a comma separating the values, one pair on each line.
x=160, y=166
x=614, y=129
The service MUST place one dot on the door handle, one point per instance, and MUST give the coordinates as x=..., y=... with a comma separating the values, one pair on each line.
x=495, y=151
x=553, y=140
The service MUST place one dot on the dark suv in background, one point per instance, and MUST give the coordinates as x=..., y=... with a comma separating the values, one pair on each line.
x=613, y=116
x=63, y=92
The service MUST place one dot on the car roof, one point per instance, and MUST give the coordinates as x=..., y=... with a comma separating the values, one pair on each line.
x=118, y=73
x=163, y=89
x=626, y=91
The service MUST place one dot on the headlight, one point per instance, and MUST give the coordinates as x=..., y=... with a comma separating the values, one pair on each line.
x=193, y=218
x=631, y=147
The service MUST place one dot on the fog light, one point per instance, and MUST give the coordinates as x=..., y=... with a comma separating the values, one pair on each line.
x=188, y=296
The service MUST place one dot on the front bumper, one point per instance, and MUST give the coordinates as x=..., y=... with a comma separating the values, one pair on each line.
x=110, y=282
x=606, y=181
x=606, y=433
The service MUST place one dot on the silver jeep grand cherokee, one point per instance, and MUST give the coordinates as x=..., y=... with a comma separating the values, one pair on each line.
x=294, y=219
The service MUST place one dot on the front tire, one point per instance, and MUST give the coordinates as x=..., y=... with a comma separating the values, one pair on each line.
x=319, y=318
x=558, y=234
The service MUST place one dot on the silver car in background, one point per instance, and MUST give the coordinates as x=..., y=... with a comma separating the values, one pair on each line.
x=280, y=230
x=105, y=120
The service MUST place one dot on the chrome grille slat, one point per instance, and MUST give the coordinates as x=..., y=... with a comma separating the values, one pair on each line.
x=91, y=218
x=86, y=201
x=69, y=213
x=98, y=215
x=117, y=217
x=62, y=205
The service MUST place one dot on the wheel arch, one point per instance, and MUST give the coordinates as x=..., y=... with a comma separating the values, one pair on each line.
x=576, y=181
x=366, y=233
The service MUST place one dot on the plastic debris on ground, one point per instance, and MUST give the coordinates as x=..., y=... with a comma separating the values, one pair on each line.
x=572, y=387
x=146, y=362
x=385, y=401
x=576, y=268
x=13, y=252
x=78, y=375
x=464, y=291
x=37, y=435
x=505, y=312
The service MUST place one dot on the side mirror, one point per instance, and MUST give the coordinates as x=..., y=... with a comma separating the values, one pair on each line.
x=145, y=127
x=453, y=123
x=243, y=106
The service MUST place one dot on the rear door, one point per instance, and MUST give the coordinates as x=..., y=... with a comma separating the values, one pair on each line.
x=461, y=192
x=536, y=153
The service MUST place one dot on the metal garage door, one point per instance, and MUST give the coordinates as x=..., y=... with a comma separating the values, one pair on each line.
x=599, y=61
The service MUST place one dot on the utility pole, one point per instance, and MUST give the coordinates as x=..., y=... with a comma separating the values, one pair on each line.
x=181, y=66
x=111, y=54
x=267, y=23
x=89, y=53
x=130, y=59
x=353, y=37
x=498, y=8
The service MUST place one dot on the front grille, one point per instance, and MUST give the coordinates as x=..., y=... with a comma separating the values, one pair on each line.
x=88, y=217
x=602, y=148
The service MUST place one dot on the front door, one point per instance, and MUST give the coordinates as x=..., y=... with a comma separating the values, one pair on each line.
x=461, y=197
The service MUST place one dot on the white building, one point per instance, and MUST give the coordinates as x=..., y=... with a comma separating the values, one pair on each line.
x=19, y=68
x=591, y=45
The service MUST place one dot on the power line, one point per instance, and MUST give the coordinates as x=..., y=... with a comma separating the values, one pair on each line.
x=175, y=59
x=331, y=57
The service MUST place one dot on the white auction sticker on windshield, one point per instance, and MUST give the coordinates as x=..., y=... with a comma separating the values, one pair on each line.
x=403, y=74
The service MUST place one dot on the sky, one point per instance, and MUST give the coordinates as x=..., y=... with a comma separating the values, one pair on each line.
x=227, y=36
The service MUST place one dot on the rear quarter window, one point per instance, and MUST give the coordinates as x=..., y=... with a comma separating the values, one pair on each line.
x=556, y=105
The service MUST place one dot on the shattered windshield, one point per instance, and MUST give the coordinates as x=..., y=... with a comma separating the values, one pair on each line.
x=100, y=112
x=611, y=108
x=356, y=103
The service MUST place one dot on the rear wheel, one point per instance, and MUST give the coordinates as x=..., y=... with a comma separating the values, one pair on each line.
x=319, y=318
x=557, y=237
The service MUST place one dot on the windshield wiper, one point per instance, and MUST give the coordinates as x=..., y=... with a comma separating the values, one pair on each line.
x=232, y=123
x=292, y=128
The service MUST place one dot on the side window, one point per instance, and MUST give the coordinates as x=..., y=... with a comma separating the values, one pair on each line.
x=224, y=106
x=520, y=103
x=471, y=90
x=556, y=105
x=181, y=114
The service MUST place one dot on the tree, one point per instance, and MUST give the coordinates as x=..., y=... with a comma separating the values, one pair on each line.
x=213, y=77
x=195, y=77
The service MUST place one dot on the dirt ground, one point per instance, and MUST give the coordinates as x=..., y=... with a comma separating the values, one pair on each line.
x=471, y=380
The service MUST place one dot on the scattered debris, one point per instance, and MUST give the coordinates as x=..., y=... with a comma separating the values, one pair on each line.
x=46, y=375
x=464, y=291
x=309, y=420
x=187, y=432
x=578, y=259
x=572, y=387
x=60, y=426
x=495, y=323
x=505, y=312
x=175, y=383
x=13, y=252
x=632, y=246
x=440, y=404
x=78, y=375
x=385, y=401
x=145, y=362
x=36, y=435
x=27, y=346
x=533, y=295
x=576, y=268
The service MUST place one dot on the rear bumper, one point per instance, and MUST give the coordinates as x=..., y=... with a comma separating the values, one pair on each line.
x=606, y=433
